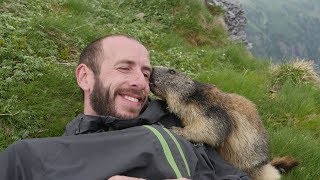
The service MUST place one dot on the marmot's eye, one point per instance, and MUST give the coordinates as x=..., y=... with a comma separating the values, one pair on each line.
x=171, y=71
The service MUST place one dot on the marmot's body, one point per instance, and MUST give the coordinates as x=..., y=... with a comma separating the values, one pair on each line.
x=228, y=122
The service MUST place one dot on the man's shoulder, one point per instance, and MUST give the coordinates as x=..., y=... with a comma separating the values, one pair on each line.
x=158, y=109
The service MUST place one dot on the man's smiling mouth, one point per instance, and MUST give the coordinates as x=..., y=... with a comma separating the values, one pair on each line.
x=131, y=98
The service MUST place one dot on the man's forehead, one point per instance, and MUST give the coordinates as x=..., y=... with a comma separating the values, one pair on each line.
x=112, y=45
x=121, y=49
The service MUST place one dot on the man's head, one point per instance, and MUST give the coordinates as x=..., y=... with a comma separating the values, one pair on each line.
x=113, y=73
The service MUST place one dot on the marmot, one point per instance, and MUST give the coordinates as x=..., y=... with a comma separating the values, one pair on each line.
x=228, y=122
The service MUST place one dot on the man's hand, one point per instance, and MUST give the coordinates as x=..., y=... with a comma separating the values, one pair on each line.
x=133, y=178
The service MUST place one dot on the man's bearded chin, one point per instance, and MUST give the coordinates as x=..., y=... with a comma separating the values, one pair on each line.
x=102, y=104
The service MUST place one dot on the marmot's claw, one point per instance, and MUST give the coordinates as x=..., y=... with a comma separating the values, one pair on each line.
x=177, y=130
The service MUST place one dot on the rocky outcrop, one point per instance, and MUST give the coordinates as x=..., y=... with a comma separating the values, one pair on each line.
x=235, y=19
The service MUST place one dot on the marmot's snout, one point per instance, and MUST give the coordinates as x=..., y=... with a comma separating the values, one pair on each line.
x=155, y=78
x=160, y=74
x=165, y=80
x=151, y=80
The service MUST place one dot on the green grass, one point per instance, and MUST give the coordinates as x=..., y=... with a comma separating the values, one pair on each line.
x=302, y=146
x=40, y=42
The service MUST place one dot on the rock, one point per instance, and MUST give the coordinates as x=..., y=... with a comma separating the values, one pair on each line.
x=140, y=16
x=235, y=19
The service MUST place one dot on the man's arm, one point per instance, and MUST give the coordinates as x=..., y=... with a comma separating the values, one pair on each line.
x=18, y=162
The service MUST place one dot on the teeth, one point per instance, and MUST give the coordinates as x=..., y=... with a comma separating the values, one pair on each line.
x=131, y=99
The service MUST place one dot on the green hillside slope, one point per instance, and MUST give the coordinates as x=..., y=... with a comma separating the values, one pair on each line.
x=40, y=42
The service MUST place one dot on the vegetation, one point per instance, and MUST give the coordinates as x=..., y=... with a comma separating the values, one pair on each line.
x=40, y=42
x=284, y=29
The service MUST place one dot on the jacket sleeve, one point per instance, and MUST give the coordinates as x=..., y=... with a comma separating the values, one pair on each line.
x=17, y=162
x=7, y=164
x=136, y=152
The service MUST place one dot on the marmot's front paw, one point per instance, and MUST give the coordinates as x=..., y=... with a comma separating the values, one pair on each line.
x=177, y=130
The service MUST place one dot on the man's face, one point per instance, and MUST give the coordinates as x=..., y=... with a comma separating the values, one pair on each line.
x=122, y=88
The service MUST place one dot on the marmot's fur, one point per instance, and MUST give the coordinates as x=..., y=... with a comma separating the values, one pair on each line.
x=228, y=122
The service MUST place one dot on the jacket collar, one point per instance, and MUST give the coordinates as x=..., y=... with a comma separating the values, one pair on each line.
x=156, y=109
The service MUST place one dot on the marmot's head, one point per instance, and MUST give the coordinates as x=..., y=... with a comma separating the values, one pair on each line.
x=166, y=82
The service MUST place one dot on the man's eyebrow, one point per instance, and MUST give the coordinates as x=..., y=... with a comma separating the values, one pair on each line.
x=125, y=61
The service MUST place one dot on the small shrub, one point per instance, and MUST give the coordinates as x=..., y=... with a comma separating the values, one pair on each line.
x=296, y=72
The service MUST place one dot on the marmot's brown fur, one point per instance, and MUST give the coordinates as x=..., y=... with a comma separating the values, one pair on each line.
x=228, y=122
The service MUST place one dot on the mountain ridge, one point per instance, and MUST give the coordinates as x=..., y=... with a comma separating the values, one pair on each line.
x=283, y=30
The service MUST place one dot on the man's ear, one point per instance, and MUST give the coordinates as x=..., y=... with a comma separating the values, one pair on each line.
x=85, y=77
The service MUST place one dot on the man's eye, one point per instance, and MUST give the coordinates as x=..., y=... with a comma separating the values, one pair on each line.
x=123, y=68
x=147, y=75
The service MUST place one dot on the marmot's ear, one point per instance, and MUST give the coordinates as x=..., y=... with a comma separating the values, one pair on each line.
x=85, y=77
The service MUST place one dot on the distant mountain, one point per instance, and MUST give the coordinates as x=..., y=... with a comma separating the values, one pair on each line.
x=284, y=29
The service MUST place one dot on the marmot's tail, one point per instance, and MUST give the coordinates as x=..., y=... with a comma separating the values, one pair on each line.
x=266, y=172
x=272, y=170
x=284, y=164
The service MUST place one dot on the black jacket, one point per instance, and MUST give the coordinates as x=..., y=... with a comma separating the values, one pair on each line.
x=107, y=146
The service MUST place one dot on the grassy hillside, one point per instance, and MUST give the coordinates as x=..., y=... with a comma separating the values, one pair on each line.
x=284, y=29
x=41, y=41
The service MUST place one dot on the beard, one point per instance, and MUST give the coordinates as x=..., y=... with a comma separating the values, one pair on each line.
x=103, y=104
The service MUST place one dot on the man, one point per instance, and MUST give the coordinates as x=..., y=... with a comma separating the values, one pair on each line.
x=115, y=80
x=120, y=131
